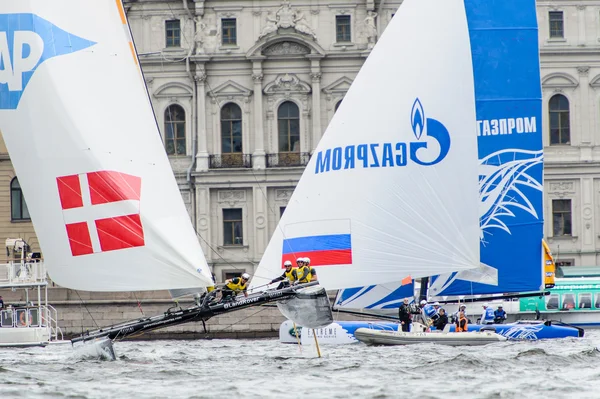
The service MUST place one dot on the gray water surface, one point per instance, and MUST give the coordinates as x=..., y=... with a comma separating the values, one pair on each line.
x=566, y=368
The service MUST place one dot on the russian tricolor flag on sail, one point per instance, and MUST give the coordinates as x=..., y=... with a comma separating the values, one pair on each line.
x=325, y=242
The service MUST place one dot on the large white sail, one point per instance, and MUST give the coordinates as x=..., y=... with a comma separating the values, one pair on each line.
x=392, y=188
x=80, y=131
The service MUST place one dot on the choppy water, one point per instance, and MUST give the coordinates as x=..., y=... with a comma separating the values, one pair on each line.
x=568, y=368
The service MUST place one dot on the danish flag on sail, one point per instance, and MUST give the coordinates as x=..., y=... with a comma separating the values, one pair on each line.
x=101, y=211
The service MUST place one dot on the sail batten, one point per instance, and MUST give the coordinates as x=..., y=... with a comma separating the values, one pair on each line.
x=83, y=140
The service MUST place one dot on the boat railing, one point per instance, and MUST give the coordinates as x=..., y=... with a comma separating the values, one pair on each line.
x=29, y=317
x=52, y=317
x=21, y=272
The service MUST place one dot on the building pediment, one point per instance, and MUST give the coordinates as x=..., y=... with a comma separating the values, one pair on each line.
x=230, y=89
x=340, y=86
x=173, y=90
x=296, y=45
x=595, y=82
x=287, y=83
x=559, y=80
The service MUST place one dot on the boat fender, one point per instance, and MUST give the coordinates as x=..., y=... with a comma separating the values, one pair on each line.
x=488, y=328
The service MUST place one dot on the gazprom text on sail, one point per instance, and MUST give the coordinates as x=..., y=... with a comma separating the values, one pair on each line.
x=494, y=127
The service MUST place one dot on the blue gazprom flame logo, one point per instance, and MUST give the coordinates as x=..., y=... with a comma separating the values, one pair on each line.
x=427, y=127
x=376, y=155
x=26, y=41
x=417, y=117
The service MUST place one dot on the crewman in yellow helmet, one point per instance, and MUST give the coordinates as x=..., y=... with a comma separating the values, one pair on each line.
x=289, y=276
x=313, y=273
x=303, y=271
x=234, y=286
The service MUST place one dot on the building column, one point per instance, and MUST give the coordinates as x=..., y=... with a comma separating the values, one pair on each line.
x=261, y=230
x=581, y=24
x=582, y=115
x=258, y=157
x=202, y=151
x=315, y=74
x=203, y=219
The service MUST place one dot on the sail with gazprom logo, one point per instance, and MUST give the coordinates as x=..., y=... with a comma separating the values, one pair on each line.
x=386, y=155
x=505, y=56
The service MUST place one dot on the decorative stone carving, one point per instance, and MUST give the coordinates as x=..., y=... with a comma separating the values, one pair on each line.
x=286, y=48
x=233, y=197
x=316, y=77
x=206, y=37
x=257, y=77
x=201, y=76
x=561, y=189
x=286, y=18
x=371, y=29
x=287, y=83
x=583, y=70
x=283, y=195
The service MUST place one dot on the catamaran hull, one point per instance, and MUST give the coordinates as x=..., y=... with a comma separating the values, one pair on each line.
x=531, y=330
x=383, y=337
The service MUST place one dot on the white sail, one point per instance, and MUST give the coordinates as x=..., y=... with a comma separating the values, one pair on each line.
x=392, y=189
x=81, y=134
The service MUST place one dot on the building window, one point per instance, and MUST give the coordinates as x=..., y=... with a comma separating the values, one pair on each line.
x=175, y=130
x=281, y=210
x=288, y=119
x=229, y=274
x=173, y=33
x=564, y=262
x=556, y=24
x=337, y=106
x=228, y=31
x=18, y=207
x=231, y=128
x=342, y=28
x=561, y=217
x=232, y=227
x=560, y=131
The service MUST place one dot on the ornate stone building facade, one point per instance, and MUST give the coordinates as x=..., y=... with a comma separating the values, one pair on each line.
x=244, y=89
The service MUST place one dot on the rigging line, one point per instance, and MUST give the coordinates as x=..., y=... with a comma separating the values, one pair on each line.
x=138, y=302
x=86, y=308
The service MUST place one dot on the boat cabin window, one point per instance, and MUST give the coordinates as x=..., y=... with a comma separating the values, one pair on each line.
x=597, y=302
x=6, y=318
x=568, y=301
x=552, y=301
x=585, y=300
x=34, y=317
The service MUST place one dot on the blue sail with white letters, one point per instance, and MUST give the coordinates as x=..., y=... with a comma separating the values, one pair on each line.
x=506, y=67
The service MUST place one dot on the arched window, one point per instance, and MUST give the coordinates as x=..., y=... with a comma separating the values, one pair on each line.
x=231, y=129
x=175, y=130
x=288, y=119
x=560, y=131
x=338, y=105
x=18, y=207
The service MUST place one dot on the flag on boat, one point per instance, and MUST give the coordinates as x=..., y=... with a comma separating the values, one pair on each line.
x=331, y=246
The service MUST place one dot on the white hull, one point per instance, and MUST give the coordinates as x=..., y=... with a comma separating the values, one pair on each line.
x=24, y=337
x=383, y=337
